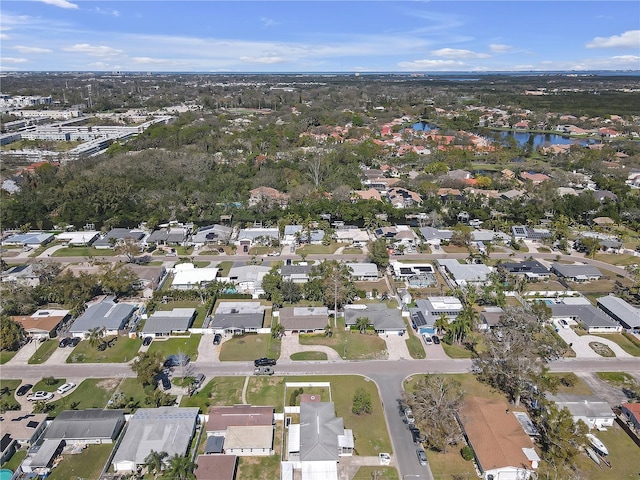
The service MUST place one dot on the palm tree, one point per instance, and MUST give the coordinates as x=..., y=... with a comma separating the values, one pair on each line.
x=180, y=468
x=362, y=323
x=95, y=336
x=463, y=324
x=441, y=324
x=155, y=462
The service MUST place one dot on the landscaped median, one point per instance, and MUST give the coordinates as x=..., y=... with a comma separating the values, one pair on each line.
x=44, y=351
x=350, y=344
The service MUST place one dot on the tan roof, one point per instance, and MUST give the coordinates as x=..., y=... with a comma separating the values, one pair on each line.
x=494, y=433
x=291, y=319
x=372, y=193
x=42, y=320
x=238, y=415
x=249, y=437
x=20, y=425
x=216, y=467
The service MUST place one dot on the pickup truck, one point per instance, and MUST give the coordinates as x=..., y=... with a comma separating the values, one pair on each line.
x=263, y=371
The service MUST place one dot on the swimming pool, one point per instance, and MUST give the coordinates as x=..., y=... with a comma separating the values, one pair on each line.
x=5, y=474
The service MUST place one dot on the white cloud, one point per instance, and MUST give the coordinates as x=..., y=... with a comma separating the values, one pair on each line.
x=108, y=11
x=94, y=50
x=458, y=53
x=499, y=48
x=268, y=22
x=629, y=39
x=60, y=3
x=4, y=36
x=431, y=64
x=266, y=60
x=151, y=61
x=23, y=49
x=14, y=60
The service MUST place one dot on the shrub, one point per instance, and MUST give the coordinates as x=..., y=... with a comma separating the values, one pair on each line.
x=361, y=402
x=50, y=380
x=467, y=453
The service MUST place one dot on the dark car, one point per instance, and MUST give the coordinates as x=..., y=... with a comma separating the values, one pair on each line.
x=177, y=360
x=165, y=382
x=436, y=339
x=73, y=342
x=64, y=342
x=23, y=389
x=147, y=341
x=217, y=338
x=264, y=362
x=416, y=435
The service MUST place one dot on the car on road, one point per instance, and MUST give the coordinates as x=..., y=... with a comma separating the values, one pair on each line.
x=264, y=362
x=65, y=387
x=23, y=389
x=40, y=396
x=408, y=416
x=147, y=341
x=427, y=339
x=64, y=342
x=416, y=435
x=217, y=338
x=263, y=371
x=436, y=339
x=199, y=380
x=422, y=456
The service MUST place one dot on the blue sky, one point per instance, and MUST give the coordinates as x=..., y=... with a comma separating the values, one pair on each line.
x=322, y=36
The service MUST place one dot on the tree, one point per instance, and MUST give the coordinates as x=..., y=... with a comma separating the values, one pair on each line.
x=515, y=352
x=147, y=366
x=179, y=468
x=277, y=331
x=435, y=401
x=338, y=287
x=154, y=462
x=441, y=324
x=378, y=253
x=361, y=402
x=96, y=334
x=11, y=334
x=128, y=247
x=291, y=292
x=118, y=280
x=362, y=323
x=462, y=325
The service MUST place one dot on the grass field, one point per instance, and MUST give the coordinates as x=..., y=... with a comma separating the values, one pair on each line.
x=123, y=350
x=201, y=310
x=614, y=259
x=450, y=465
x=91, y=393
x=624, y=342
x=43, y=352
x=414, y=344
x=5, y=356
x=571, y=383
x=225, y=267
x=266, y=391
x=619, y=379
x=258, y=467
x=83, y=252
x=87, y=464
x=218, y=391
x=41, y=385
x=173, y=346
x=309, y=356
x=9, y=397
x=318, y=249
x=249, y=347
x=349, y=345
x=379, y=473
x=456, y=351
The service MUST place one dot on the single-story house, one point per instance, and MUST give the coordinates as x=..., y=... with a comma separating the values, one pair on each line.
x=78, y=239
x=248, y=278
x=532, y=269
x=295, y=273
x=576, y=273
x=363, y=271
x=593, y=411
x=216, y=467
x=249, y=441
x=384, y=320
x=581, y=311
x=43, y=323
x=403, y=198
x=398, y=234
x=489, y=236
x=163, y=323
x=500, y=445
x=351, y=235
x=211, y=235
x=303, y=319
x=187, y=276
x=40, y=459
x=292, y=234
x=248, y=237
x=173, y=235
x=117, y=235
x=93, y=425
x=489, y=317
x=237, y=318
x=631, y=411
x=527, y=233
x=465, y=273
x=21, y=275
x=238, y=415
x=435, y=236
x=164, y=429
x=30, y=239
x=622, y=312
x=106, y=314
x=405, y=270
x=426, y=312
x=19, y=429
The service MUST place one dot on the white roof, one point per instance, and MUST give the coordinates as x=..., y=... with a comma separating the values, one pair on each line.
x=363, y=269
x=239, y=307
x=79, y=238
x=293, y=438
x=319, y=470
x=187, y=274
x=445, y=303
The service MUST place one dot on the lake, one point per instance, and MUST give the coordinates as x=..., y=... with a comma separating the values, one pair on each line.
x=547, y=139
x=424, y=127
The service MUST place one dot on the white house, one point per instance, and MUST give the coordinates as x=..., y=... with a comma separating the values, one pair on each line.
x=187, y=276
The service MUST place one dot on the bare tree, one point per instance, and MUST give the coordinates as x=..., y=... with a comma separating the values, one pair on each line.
x=316, y=167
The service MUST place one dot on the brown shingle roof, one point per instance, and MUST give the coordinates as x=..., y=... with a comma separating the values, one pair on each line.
x=238, y=415
x=216, y=467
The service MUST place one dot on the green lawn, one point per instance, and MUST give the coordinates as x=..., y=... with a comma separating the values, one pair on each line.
x=123, y=350
x=91, y=393
x=48, y=388
x=450, y=465
x=173, y=346
x=201, y=310
x=309, y=356
x=456, y=351
x=131, y=388
x=615, y=259
x=15, y=461
x=383, y=473
x=266, y=391
x=85, y=465
x=217, y=392
x=9, y=397
x=619, y=379
x=5, y=356
x=571, y=383
x=259, y=468
x=351, y=250
x=624, y=342
x=225, y=267
x=318, y=249
x=349, y=345
x=83, y=252
x=414, y=344
x=249, y=347
x=43, y=353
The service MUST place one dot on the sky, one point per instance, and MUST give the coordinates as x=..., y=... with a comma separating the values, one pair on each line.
x=319, y=36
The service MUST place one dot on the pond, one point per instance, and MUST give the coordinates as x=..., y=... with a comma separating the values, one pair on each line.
x=547, y=139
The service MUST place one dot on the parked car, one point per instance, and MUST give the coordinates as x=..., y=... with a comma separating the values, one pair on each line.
x=165, y=382
x=63, y=342
x=416, y=435
x=177, y=360
x=422, y=457
x=408, y=416
x=73, y=342
x=40, y=396
x=23, y=389
x=147, y=341
x=427, y=339
x=263, y=371
x=436, y=339
x=264, y=362
x=217, y=338
x=199, y=380
x=65, y=387
x=563, y=323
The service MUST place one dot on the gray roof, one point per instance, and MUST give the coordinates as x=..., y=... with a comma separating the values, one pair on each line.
x=88, y=424
x=214, y=444
x=489, y=236
x=31, y=238
x=532, y=267
x=176, y=320
x=363, y=269
x=588, y=315
x=247, y=273
x=304, y=318
x=583, y=405
x=253, y=233
x=164, y=429
x=175, y=235
x=107, y=314
x=430, y=233
x=381, y=317
x=574, y=271
x=618, y=309
x=239, y=307
x=118, y=234
x=465, y=272
x=292, y=229
x=237, y=320
x=319, y=430
x=287, y=270
x=212, y=233
x=44, y=456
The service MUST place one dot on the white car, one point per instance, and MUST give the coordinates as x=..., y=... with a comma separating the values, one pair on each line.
x=64, y=388
x=427, y=339
x=40, y=396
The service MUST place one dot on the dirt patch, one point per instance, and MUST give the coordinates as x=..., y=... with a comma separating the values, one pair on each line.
x=108, y=384
x=601, y=349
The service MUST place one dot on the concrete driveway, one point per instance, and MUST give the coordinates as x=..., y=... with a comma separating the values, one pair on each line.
x=290, y=344
x=580, y=344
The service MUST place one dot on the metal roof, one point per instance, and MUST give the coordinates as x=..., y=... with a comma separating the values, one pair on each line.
x=618, y=309
x=319, y=430
x=107, y=314
x=88, y=424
